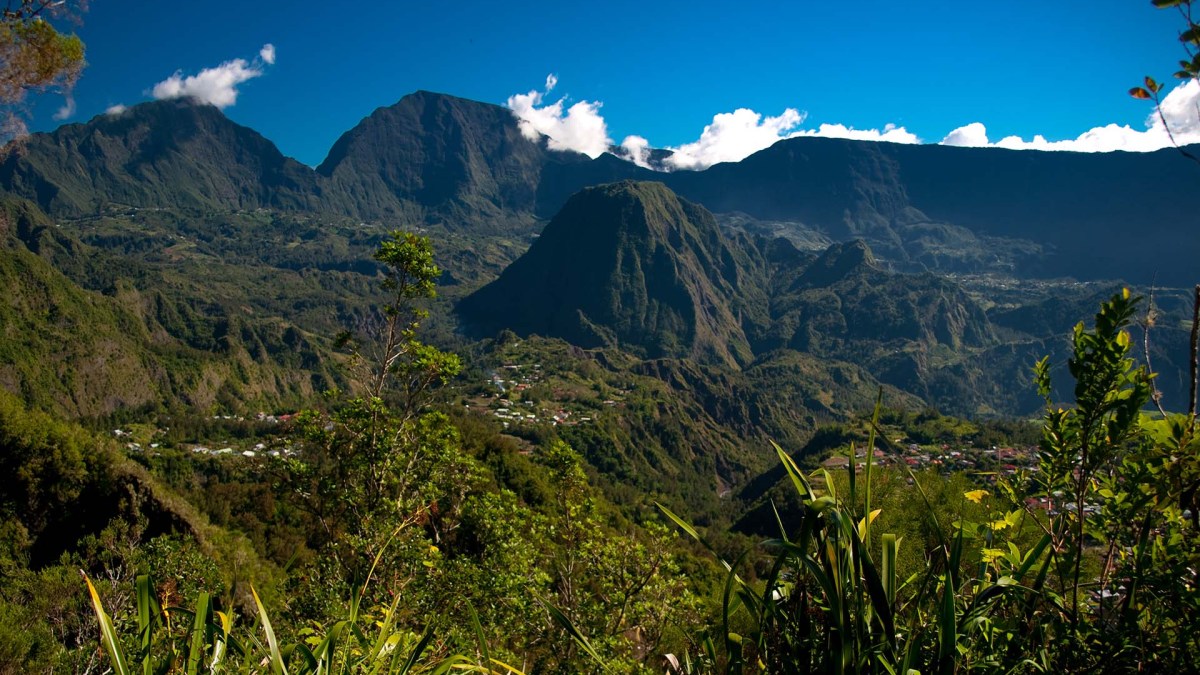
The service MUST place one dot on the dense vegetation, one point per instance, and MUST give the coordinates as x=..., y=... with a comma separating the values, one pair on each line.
x=443, y=512
x=499, y=512
x=375, y=531
x=387, y=536
x=240, y=431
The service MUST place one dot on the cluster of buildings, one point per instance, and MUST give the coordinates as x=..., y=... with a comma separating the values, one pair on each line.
x=986, y=463
x=134, y=445
x=510, y=399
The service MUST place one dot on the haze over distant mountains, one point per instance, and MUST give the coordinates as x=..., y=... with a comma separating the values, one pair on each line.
x=441, y=161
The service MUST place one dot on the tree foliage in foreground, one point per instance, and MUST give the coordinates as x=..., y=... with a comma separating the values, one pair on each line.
x=421, y=565
x=1086, y=565
x=1111, y=585
x=35, y=55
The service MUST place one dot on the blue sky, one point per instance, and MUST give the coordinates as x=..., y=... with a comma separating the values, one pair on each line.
x=662, y=70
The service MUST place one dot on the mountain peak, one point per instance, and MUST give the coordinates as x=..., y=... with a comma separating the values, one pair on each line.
x=627, y=264
x=840, y=261
x=435, y=157
x=155, y=154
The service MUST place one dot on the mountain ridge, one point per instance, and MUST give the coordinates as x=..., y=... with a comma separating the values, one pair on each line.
x=434, y=160
x=171, y=153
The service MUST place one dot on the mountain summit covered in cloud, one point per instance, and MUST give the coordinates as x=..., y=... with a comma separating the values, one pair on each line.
x=733, y=136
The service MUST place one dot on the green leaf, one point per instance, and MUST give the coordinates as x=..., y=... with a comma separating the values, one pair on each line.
x=108, y=634
x=878, y=590
x=565, y=622
x=478, y=628
x=680, y=522
x=416, y=652
x=277, y=665
x=198, y=643
x=891, y=550
x=793, y=472
x=948, y=628
x=147, y=614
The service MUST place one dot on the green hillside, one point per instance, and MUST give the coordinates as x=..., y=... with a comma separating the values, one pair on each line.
x=100, y=336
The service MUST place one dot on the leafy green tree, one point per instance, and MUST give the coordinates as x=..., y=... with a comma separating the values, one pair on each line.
x=622, y=588
x=376, y=463
x=1085, y=444
x=35, y=55
x=386, y=351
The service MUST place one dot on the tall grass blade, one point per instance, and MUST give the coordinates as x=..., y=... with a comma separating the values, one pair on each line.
x=511, y=670
x=880, y=604
x=277, y=665
x=852, y=470
x=146, y=614
x=459, y=663
x=566, y=624
x=386, y=656
x=310, y=663
x=798, y=480
x=108, y=634
x=779, y=522
x=220, y=640
x=386, y=637
x=691, y=531
x=954, y=562
x=866, y=533
x=947, y=627
x=326, y=650
x=478, y=628
x=732, y=646
x=891, y=550
x=199, y=642
x=683, y=524
x=1032, y=556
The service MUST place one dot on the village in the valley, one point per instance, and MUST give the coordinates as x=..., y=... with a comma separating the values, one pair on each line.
x=986, y=463
x=510, y=393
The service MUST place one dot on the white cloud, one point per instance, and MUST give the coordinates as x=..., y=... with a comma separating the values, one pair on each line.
x=735, y=136
x=579, y=128
x=216, y=86
x=67, y=109
x=973, y=135
x=889, y=134
x=115, y=110
x=732, y=137
x=1180, y=108
x=637, y=150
